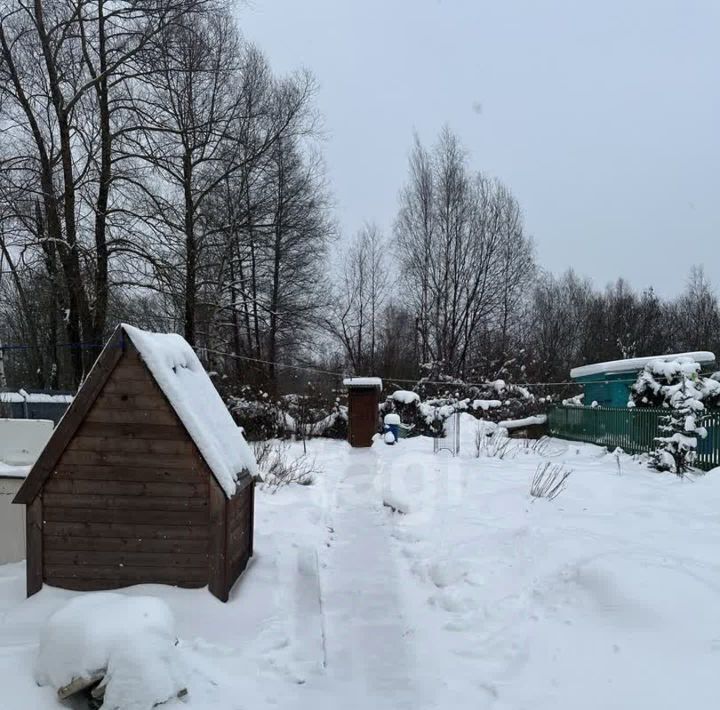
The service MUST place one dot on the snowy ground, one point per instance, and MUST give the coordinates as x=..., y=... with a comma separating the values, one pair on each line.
x=476, y=597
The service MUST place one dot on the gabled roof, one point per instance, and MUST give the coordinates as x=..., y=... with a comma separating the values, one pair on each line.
x=363, y=382
x=636, y=364
x=187, y=386
x=175, y=367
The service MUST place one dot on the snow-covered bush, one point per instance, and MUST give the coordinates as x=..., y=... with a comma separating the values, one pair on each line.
x=279, y=468
x=549, y=480
x=493, y=400
x=676, y=385
x=259, y=415
x=492, y=443
x=677, y=450
x=118, y=650
x=540, y=447
x=431, y=403
x=301, y=415
x=665, y=383
x=315, y=416
x=576, y=401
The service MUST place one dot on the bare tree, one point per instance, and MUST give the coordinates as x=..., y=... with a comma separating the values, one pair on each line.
x=65, y=69
x=355, y=318
x=459, y=237
x=696, y=315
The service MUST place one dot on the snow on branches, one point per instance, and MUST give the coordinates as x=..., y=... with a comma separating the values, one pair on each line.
x=678, y=386
x=667, y=383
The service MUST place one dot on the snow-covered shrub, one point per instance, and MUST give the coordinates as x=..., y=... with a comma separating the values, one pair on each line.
x=279, y=468
x=405, y=397
x=576, y=401
x=333, y=425
x=495, y=400
x=677, y=385
x=118, y=650
x=418, y=416
x=492, y=441
x=677, y=450
x=301, y=415
x=313, y=415
x=431, y=403
x=259, y=415
x=549, y=480
x=540, y=447
x=664, y=383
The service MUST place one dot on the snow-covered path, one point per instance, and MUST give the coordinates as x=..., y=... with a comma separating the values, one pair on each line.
x=369, y=642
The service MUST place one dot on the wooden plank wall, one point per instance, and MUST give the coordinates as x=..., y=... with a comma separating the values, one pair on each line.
x=128, y=501
x=240, y=521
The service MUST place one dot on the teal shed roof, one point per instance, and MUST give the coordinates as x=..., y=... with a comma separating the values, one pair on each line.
x=615, y=368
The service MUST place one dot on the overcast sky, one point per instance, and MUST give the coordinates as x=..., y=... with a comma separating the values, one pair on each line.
x=603, y=116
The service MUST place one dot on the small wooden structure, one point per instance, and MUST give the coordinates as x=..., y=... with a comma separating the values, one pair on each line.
x=146, y=479
x=363, y=409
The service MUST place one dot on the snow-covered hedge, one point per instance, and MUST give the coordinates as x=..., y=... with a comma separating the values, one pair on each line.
x=298, y=415
x=426, y=408
x=259, y=415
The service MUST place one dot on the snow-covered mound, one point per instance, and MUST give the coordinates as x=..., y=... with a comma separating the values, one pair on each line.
x=405, y=396
x=130, y=640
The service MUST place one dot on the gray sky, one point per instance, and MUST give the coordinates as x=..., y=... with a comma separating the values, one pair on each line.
x=603, y=116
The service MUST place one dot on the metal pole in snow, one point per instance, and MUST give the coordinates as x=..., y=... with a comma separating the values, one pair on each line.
x=3, y=379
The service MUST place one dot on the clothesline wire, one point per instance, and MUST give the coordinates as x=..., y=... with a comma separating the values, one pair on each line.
x=335, y=373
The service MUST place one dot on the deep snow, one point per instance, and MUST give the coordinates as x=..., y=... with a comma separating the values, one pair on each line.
x=401, y=579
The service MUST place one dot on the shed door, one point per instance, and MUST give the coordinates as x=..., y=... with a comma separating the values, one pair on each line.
x=363, y=417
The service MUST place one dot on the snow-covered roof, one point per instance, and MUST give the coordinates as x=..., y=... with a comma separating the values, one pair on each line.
x=10, y=471
x=34, y=397
x=188, y=388
x=636, y=363
x=363, y=382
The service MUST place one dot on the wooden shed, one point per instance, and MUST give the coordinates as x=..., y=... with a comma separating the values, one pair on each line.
x=146, y=479
x=363, y=409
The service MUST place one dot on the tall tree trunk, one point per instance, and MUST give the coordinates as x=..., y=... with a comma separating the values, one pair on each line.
x=277, y=260
x=101, y=204
x=78, y=312
x=190, y=251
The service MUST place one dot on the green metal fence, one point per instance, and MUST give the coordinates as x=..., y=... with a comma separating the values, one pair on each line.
x=633, y=429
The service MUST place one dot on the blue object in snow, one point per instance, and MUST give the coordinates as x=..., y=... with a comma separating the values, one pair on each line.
x=394, y=429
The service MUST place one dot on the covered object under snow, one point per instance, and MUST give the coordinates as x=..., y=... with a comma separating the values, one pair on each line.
x=145, y=479
x=608, y=383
